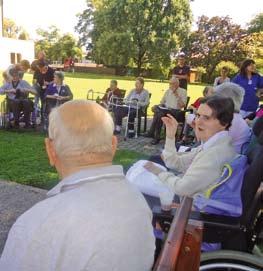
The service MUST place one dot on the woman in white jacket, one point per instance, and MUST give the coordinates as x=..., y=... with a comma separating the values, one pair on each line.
x=200, y=168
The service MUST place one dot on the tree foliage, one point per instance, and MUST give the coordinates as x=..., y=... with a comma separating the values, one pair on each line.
x=57, y=46
x=256, y=24
x=216, y=39
x=11, y=30
x=140, y=31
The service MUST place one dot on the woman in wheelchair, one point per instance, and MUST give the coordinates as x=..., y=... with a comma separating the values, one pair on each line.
x=214, y=117
x=17, y=92
x=56, y=94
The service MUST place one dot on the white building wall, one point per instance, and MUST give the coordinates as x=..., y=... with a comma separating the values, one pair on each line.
x=23, y=47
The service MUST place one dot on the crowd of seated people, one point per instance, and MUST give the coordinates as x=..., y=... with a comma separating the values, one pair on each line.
x=47, y=87
x=83, y=224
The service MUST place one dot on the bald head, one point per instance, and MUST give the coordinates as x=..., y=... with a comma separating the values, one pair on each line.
x=79, y=128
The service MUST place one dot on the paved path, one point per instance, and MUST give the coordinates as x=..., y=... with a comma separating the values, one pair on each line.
x=15, y=199
x=140, y=144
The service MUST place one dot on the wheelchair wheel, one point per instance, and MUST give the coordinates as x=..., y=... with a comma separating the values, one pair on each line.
x=226, y=260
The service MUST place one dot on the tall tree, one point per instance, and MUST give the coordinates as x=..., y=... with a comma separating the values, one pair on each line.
x=216, y=39
x=256, y=24
x=11, y=30
x=151, y=29
x=57, y=46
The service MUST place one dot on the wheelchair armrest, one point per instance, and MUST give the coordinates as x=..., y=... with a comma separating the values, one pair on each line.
x=209, y=220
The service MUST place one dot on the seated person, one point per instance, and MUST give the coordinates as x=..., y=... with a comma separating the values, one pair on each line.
x=174, y=99
x=112, y=92
x=17, y=91
x=202, y=166
x=189, y=125
x=57, y=93
x=223, y=78
x=138, y=96
x=239, y=130
x=208, y=91
x=93, y=219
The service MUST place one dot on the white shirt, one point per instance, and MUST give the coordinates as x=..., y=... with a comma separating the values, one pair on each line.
x=170, y=100
x=93, y=220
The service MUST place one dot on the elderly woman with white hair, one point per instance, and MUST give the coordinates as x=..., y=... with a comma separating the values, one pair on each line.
x=93, y=215
x=239, y=130
x=57, y=93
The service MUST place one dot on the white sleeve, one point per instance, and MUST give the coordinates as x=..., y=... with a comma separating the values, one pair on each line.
x=179, y=161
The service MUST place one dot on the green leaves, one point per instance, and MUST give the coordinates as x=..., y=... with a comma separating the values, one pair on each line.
x=140, y=31
x=57, y=46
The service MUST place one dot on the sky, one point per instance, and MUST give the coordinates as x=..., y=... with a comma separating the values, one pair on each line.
x=32, y=14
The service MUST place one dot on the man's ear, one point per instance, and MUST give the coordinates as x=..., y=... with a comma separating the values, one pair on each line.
x=50, y=152
x=114, y=145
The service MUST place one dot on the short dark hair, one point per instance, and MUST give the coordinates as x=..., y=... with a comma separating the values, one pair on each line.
x=244, y=65
x=42, y=64
x=222, y=107
x=141, y=80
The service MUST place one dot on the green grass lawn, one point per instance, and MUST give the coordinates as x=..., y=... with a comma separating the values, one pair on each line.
x=23, y=159
x=22, y=156
x=80, y=83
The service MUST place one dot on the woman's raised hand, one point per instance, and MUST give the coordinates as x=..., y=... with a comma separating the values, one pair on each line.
x=171, y=125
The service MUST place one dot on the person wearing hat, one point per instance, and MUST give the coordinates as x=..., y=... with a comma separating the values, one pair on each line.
x=181, y=71
x=17, y=91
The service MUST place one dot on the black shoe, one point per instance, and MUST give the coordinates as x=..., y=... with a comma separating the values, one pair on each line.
x=116, y=132
x=149, y=135
x=155, y=141
x=131, y=135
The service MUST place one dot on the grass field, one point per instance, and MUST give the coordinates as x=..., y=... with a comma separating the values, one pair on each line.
x=23, y=159
x=80, y=83
x=22, y=156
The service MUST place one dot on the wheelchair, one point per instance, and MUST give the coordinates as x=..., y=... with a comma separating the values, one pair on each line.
x=238, y=236
x=6, y=116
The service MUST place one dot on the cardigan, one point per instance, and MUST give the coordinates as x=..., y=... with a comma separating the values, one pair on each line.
x=199, y=168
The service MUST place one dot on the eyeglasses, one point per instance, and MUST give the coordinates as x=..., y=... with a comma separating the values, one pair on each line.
x=203, y=117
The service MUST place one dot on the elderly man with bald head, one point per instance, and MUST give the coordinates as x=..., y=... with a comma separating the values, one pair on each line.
x=93, y=219
x=174, y=100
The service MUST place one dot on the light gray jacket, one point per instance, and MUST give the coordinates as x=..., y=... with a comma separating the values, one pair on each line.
x=200, y=168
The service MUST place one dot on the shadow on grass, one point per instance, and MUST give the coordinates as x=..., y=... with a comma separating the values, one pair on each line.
x=23, y=159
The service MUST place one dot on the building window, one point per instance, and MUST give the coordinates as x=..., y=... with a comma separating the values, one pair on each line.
x=18, y=58
x=13, y=58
